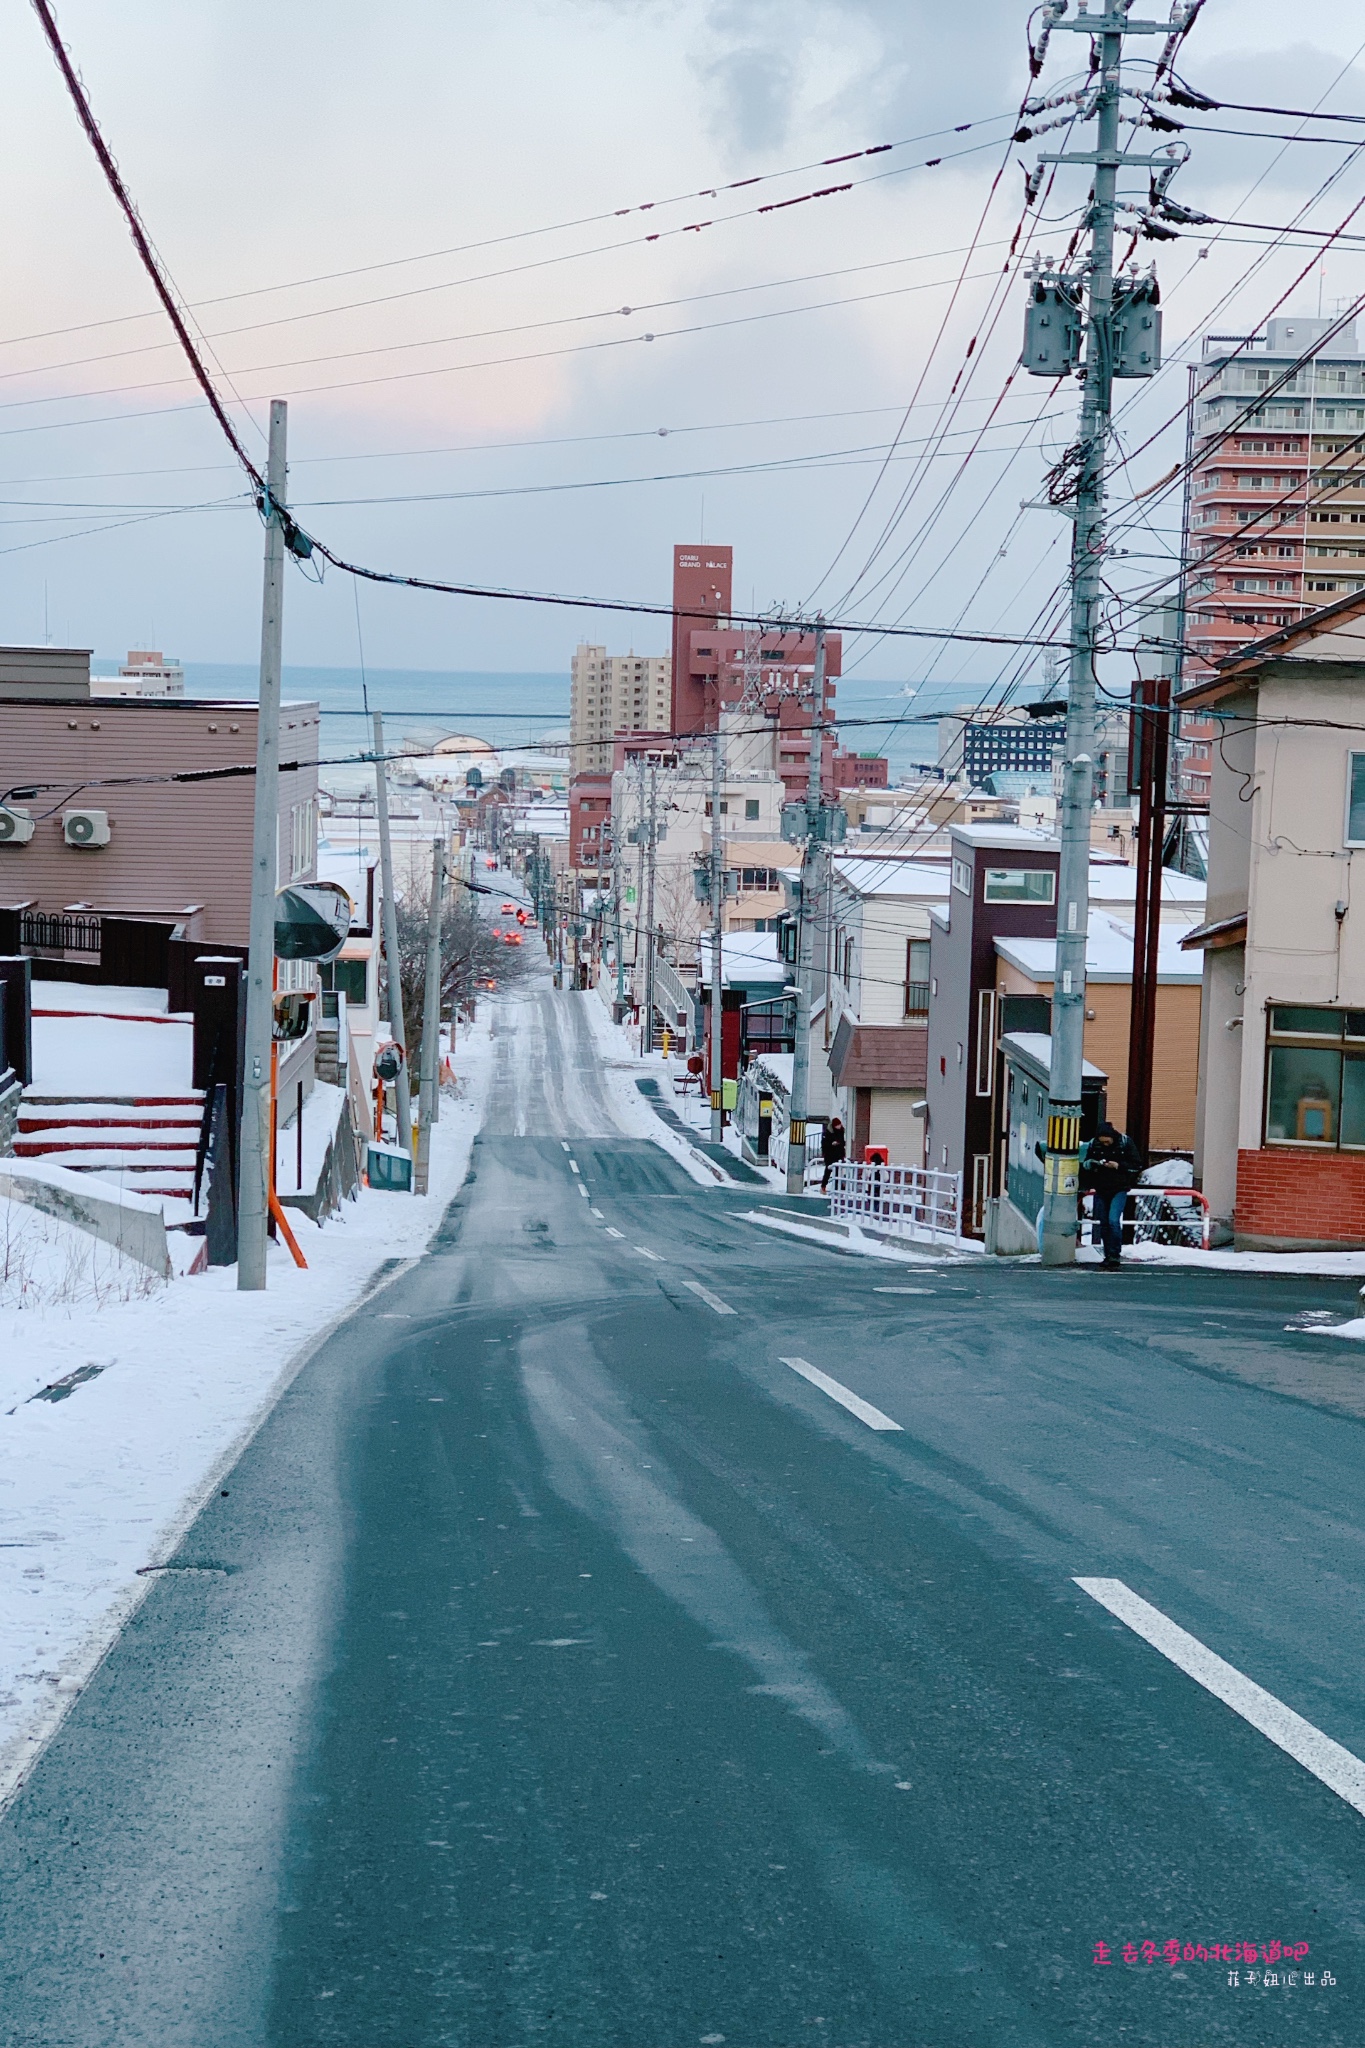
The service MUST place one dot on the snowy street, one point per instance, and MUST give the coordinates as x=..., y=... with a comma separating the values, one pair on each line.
x=632, y=1624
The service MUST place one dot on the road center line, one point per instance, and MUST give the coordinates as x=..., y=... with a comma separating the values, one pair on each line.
x=573, y=1166
x=598, y=1214
x=565, y=1143
x=722, y=1308
x=615, y=1233
x=1336, y=1767
x=854, y=1403
x=583, y=1192
x=646, y=1253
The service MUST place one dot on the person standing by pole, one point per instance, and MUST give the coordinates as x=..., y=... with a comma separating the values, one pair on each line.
x=391, y=954
x=805, y=925
x=256, y=1139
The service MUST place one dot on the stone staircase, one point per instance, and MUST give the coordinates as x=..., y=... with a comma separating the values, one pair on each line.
x=145, y=1143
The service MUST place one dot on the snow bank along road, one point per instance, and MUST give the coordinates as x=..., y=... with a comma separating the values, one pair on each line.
x=634, y=1627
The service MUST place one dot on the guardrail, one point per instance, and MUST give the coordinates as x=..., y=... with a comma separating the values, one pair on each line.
x=909, y=1201
x=1157, y=1215
x=59, y=932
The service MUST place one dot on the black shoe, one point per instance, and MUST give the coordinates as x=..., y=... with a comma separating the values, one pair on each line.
x=1110, y=1265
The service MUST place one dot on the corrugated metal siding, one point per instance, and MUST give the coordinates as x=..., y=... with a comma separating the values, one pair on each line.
x=172, y=844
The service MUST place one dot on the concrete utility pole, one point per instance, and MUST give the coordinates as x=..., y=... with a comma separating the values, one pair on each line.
x=717, y=948
x=430, y=1100
x=617, y=884
x=651, y=851
x=805, y=929
x=253, y=1195
x=396, y=1025
x=1061, y=1180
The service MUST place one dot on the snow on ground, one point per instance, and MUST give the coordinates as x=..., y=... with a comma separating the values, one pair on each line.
x=117, y=1418
x=48, y=1264
x=622, y=1066
x=906, y=1251
x=75, y=1054
x=1322, y=1265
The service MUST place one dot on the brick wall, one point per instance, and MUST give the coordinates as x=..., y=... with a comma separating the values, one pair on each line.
x=1287, y=1195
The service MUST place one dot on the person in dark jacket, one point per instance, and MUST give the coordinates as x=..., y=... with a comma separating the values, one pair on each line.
x=833, y=1148
x=1110, y=1165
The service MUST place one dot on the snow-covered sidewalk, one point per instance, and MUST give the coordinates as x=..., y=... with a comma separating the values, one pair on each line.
x=117, y=1418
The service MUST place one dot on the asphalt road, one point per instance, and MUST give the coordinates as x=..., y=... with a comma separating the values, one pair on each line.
x=563, y=1667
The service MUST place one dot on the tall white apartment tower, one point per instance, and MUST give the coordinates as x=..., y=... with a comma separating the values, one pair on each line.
x=614, y=693
x=1277, y=498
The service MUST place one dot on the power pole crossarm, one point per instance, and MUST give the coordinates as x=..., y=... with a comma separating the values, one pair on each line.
x=257, y=1136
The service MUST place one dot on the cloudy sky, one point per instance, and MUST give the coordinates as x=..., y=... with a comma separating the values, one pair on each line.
x=413, y=223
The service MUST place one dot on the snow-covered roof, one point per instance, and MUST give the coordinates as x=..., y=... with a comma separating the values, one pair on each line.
x=880, y=877
x=748, y=959
x=1115, y=882
x=1108, y=954
x=1037, y=1045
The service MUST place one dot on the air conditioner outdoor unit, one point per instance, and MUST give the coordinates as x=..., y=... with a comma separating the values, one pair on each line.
x=16, y=827
x=85, y=828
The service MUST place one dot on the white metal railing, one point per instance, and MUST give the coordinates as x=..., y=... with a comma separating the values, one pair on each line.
x=670, y=993
x=911, y=1201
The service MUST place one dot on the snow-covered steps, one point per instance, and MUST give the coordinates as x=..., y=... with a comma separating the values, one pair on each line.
x=144, y=1142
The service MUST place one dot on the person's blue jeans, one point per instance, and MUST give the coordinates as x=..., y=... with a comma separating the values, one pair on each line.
x=1109, y=1215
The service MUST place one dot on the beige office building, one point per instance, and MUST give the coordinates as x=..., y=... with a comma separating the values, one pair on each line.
x=614, y=693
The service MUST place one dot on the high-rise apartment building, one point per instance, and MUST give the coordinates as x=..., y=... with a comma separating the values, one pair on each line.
x=613, y=693
x=754, y=681
x=1277, y=491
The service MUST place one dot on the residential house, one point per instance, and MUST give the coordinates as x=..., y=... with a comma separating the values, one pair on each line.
x=1281, y=1126
x=875, y=1022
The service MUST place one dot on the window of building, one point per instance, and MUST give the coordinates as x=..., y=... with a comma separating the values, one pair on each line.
x=1020, y=885
x=303, y=837
x=917, y=977
x=1355, y=800
x=751, y=808
x=1315, y=1078
x=349, y=977
x=985, y=1039
x=962, y=877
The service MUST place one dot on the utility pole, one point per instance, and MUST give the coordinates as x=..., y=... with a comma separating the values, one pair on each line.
x=647, y=1040
x=430, y=1101
x=617, y=884
x=396, y=1025
x=1098, y=99
x=1149, y=752
x=257, y=1137
x=717, y=949
x=805, y=928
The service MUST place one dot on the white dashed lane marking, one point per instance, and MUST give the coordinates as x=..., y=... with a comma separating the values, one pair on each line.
x=854, y=1403
x=615, y=1233
x=646, y=1253
x=1336, y=1767
x=722, y=1308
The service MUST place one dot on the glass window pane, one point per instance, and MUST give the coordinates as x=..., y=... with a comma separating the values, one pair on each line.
x=1353, y=1101
x=1355, y=808
x=1318, y=1023
x=1020, y=885
x=1303, y=1092
x=1355, y=1023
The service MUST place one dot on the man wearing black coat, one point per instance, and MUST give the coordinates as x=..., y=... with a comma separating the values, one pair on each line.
x=833, y=1148
x=1110, y=1165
